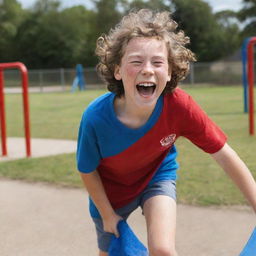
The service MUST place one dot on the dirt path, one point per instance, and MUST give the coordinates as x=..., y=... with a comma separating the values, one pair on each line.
x=16, y=148
x=37, y=219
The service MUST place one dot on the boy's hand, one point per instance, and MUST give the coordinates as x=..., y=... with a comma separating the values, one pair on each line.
x=110, y=224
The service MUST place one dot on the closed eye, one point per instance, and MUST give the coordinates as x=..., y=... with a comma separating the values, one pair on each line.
x=158, y=63
x=136, y=62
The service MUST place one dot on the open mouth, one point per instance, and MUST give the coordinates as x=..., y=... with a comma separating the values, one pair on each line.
x=146, y=89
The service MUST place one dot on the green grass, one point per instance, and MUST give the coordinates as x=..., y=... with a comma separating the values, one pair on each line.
x=201, y=181
x=52, y=115
x=57, y=170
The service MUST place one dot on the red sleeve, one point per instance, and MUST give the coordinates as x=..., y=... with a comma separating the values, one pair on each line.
x=200, y=129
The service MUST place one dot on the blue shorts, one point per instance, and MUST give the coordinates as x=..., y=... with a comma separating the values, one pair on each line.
x=166, y=187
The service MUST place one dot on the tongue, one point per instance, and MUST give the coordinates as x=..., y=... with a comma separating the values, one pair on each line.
x=145, y=91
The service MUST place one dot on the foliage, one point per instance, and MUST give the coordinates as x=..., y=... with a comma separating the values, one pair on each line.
x=150, y=4
x=11, y=15
x=49, y=36
x=248, y=15
x=56, y=39
x=107, y=15
x=45, y=6
x=209, y=38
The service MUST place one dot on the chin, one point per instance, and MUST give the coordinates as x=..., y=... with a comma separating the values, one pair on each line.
x=147, y=101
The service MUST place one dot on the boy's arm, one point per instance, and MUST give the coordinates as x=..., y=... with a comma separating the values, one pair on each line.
x=94, y=186
x=238, y=172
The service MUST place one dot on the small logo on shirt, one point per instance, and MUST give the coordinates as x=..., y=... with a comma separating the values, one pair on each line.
x=168, y=140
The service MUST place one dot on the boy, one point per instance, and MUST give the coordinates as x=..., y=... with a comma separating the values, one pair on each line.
x=126, y=153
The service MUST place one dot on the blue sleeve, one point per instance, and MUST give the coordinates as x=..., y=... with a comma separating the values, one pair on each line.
x=88, y=154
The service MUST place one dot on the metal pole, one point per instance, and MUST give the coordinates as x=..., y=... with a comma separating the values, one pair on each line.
x=2, y=115
x=244, y=76
x=251, y=83
x=24, y=72
x=41, y=80
x=62, y=79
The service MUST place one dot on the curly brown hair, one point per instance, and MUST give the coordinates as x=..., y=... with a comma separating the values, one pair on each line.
x=143, y=23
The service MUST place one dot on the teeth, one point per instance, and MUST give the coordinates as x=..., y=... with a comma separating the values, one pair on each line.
x=146, y=84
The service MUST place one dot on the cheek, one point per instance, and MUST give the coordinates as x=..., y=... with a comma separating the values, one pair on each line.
x=131, y=71
x=164, y=74
x=168, y=73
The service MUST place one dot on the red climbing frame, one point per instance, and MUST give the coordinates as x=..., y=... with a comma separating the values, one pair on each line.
x=250, y=59
x=24, y=76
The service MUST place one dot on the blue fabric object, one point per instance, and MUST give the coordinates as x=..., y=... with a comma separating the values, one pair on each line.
x=250, y=247
x=127, y=244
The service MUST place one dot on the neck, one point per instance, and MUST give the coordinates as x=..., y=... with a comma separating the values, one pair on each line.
x=131, y=115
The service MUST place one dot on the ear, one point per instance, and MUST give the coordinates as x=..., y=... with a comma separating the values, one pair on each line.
x=117, y=73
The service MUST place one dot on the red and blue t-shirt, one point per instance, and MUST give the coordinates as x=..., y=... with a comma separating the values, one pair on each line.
x=129, y=159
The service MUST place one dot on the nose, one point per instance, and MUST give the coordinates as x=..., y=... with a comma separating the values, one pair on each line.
x=147, y=69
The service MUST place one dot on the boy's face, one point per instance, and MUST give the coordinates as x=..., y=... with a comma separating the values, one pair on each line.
x=144, y=70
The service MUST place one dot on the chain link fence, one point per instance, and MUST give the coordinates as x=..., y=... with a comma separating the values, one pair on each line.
x=201, y=74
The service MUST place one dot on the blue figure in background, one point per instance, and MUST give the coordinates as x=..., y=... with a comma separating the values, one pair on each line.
x=79, y=81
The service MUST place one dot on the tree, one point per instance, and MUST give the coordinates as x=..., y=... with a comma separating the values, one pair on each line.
x=45, y=6
x=48, y=36
x=83, y=22
x=226, y=17
x=151, y=4
x=230, y=26
x=11, y=15
x=248, y=16
x=107, y=15
x=56, y=39
x=208, y=37
x=27, y=37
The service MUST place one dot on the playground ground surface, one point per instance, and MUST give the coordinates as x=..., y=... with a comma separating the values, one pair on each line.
x=39, y=219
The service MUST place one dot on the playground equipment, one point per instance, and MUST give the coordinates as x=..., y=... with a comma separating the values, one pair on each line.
x=244, y=78
x=248, y=79
x=79, y=81
x=24, y=73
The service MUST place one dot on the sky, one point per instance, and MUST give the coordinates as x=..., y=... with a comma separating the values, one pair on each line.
x=217, y=5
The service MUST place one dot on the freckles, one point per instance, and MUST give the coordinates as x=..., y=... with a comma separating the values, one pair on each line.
x=131, y=71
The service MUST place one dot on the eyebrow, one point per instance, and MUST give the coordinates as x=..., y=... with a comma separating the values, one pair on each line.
x=134, y=56
x=140, y=56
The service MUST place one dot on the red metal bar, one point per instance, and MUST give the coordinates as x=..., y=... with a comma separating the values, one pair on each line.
x=2, y=115
x=24, y=75
x=250, y=58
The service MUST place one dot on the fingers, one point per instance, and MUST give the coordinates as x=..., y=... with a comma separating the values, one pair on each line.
x=113, y=230
x=110, y=225
x=116, y=233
